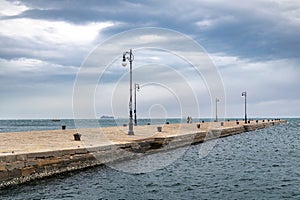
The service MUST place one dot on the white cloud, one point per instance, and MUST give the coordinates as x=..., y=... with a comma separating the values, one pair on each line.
x=53, y=32
x=153, y=38
x=34, y=66
x=222, y=60
x=11, y=8
x=211, y=22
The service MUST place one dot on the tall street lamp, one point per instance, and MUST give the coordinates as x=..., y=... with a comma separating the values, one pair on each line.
x=136, y=88
x=217, y=100
x=130, y=58
x=244, y=94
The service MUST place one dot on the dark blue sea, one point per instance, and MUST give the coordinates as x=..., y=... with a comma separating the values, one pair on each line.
x=263, y=164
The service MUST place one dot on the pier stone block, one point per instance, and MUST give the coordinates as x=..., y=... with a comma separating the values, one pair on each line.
x=43, y=162
x=27, y=171
x=15, y=173
x=15, y=165
x=4, y=175
x=81, y=151
x=30, y=163
x=22, y=157
x=11, y=158
x=2, y=168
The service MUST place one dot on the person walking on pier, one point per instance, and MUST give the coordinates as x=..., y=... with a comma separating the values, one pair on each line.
x=189, y=120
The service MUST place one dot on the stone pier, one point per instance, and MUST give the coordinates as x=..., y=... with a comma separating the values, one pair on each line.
x=26, y=156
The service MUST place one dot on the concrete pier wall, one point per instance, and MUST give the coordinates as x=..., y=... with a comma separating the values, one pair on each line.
x=17, y=168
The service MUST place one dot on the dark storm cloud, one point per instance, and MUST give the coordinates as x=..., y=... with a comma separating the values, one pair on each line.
x=85, y=11
x=258, y=30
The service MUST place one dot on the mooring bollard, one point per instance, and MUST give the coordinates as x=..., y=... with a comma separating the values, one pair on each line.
x=159, y=128
x=198, y=125
x=167, y=122
x=202, y=121
x=237, y=122
x=124, y=125
x=249, y=122
x=222, y=123
x=77, y=136
x=263, y=120
x=63, y=127
x=148, y=123
x=256, y=121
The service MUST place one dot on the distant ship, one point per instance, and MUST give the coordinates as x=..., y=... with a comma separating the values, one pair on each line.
x=56, y=120
x=106, y=117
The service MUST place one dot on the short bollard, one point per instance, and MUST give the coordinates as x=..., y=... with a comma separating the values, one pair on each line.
x=63, y=127
x=256, y=121
x=222, y=123
x=167, y=122
x=198, y=125
x=249, y=122
x=237, y=122
x=148, y=123
x=77, y=136
x=124, y=125
x=263, y=120
x=202, y=121
x=159, y=128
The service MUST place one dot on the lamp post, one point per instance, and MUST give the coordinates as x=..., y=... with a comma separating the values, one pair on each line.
x=244, y=94
x=217, y=100
x=130, y=58
x=136, y=88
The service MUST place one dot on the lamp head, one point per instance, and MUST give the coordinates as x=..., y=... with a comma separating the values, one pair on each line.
x=124, y=63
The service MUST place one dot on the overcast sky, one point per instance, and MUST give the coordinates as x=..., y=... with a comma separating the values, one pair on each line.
x=254, y=45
